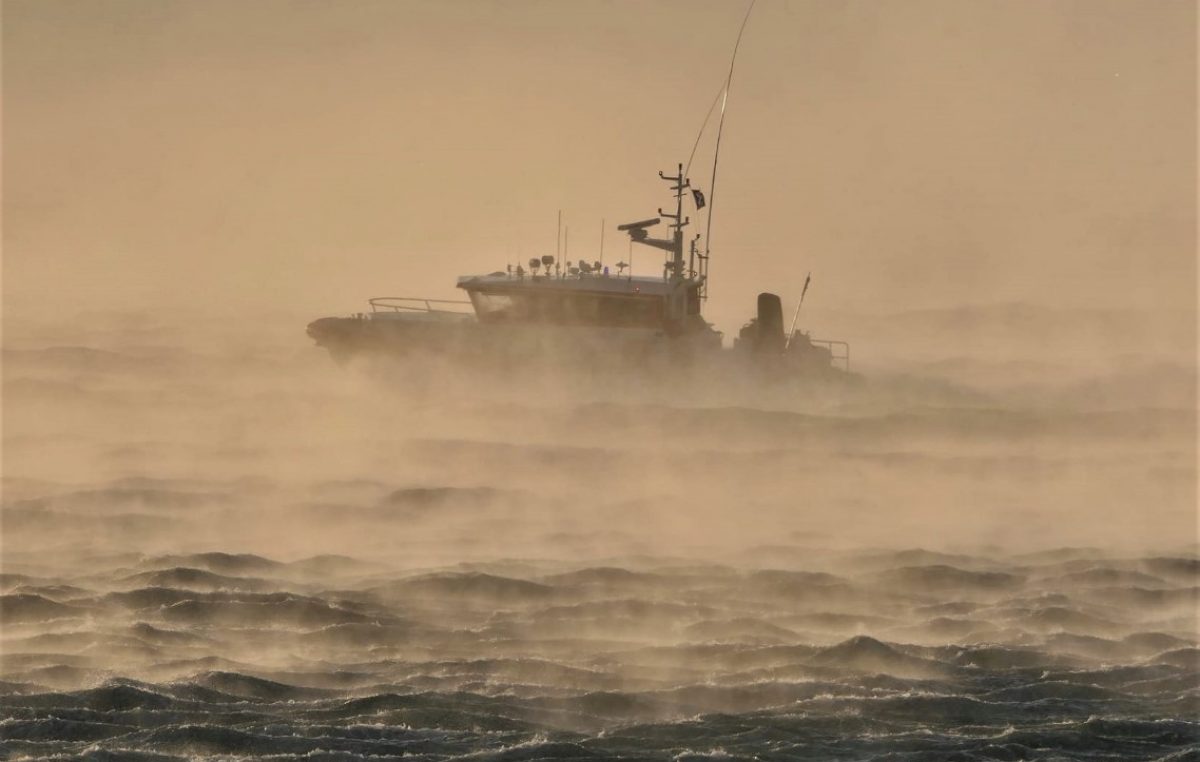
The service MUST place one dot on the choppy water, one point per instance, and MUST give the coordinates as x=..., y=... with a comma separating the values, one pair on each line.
x=216, y=555
x=892, y=655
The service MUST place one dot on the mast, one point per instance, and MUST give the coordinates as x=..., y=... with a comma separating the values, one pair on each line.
x=680, y=184
x=638, y=231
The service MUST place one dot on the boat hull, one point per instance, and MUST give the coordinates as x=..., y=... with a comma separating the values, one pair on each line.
x=621, y=358
x=503, y=346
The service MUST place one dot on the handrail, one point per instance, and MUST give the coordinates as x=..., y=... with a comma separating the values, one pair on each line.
x=831, y=343
x=418, y=304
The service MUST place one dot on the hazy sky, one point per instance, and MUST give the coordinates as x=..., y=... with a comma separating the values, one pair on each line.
x=307, y=155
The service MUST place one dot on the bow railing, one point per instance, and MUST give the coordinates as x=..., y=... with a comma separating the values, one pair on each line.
x=418, y=304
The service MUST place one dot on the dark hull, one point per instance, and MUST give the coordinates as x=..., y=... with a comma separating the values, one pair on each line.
x=468, y=343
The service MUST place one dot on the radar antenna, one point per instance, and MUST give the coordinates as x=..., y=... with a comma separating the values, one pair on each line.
x=638, y=232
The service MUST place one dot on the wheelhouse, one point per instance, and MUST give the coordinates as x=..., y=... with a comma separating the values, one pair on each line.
x=597, y=301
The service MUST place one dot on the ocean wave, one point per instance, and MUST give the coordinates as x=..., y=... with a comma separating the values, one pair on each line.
x=232, y=564
x=1180, y=568
x=942, y=578
x=19, y=608
x=53, y=729
x=257, y=688
x=866, y=654
x=472, y=586
x=197, y=579
x=284, y=611
x=646, y=657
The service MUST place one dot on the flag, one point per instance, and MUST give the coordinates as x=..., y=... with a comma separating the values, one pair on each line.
x=698, y=196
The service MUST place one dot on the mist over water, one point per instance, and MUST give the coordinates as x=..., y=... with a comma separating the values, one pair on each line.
x=217, y=543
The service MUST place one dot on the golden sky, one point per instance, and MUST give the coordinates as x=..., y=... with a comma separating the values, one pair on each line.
x=307, y=155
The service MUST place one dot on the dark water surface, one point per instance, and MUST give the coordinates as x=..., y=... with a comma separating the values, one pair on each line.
x=1067, y=653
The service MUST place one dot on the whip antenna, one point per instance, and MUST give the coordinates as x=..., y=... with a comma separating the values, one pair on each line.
x=796, y=315
x=703, y=126
x=712, y=185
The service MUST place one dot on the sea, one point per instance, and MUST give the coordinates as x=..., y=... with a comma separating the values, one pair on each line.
x=218, y=544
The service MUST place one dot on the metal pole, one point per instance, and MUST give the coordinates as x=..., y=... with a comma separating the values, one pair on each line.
x=601, y=242
x=796, y=315
x=712, y=185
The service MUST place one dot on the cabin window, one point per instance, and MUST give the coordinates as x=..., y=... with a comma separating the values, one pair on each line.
x=491, y=307
x=627, y=312
x=566, y=308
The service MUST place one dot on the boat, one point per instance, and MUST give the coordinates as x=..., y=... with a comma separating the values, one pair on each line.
x=582, y=314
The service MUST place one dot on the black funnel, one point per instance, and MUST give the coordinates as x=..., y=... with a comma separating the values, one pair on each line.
x=770, y=323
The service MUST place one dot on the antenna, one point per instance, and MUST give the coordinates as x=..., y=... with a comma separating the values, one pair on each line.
x=712, y=185
x=703, y=125
x=602, y=241
x=796, y=314
x=558, y=239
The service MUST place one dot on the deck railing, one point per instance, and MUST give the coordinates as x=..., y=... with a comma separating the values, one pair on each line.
x=418, y=304
x=843, y=358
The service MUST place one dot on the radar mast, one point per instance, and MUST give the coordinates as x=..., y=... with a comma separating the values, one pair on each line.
x=639, y=231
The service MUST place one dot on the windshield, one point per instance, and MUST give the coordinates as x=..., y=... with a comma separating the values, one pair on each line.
x=547, y=307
